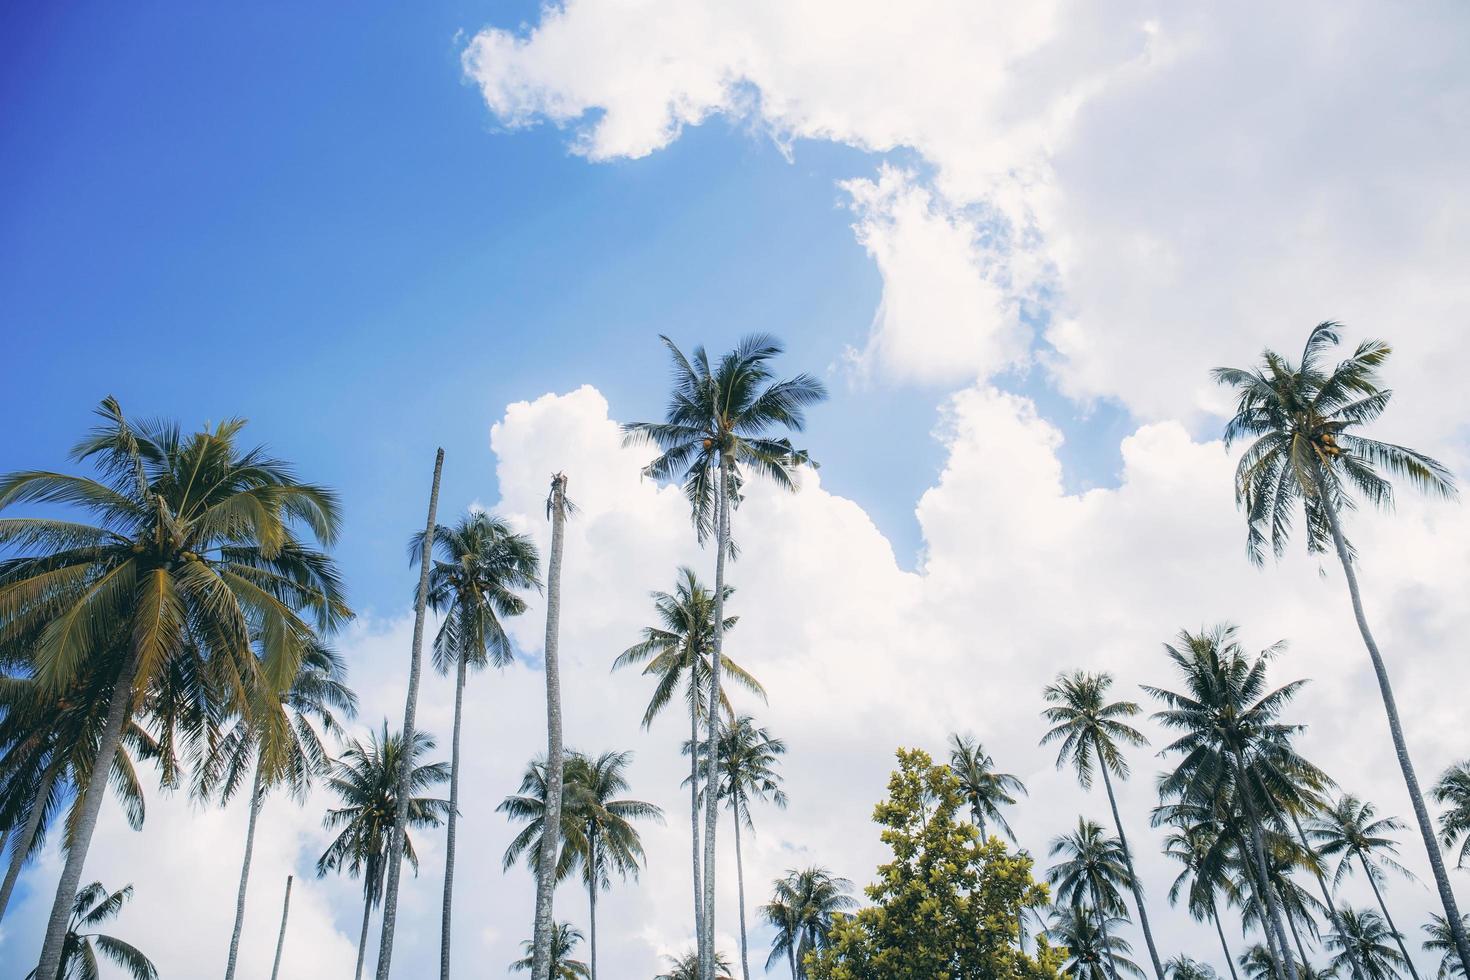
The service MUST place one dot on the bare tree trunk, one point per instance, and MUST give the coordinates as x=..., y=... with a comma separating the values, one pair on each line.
x=27, y=838
x=118, y=708
x=711, y=777
x=1270, y=908
x=1297, y=937
x=740, y=888
x=1401, y=748
x=592, y=905
x=459, y=679
x=1224, y=946
x=694, y=695
x=410, y=713
x=1107, y=950
x=281, y=937
x=255, y=801
x=1148, y=935
x=1349, y=947
x=1398, y=937
x=551, y=819
x=367, y=913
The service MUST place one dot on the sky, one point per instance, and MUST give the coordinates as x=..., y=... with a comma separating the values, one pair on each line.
x=1012, y=241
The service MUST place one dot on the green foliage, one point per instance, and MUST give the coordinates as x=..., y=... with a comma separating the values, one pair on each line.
x=947, y=905
x=93, y=906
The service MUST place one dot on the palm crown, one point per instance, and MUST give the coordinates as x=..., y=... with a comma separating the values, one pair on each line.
x=1094, y=949
x=564, y=939
x=985, y=790
x=93, y=906
x=1088, y=726
x=1351, y=830
x=1452, y=791
x=748, y=759
x=1092, y=871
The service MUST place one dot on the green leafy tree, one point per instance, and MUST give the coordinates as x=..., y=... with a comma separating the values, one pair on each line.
x=1093, y=950
x=564, y=940
x=1091, y=730
x=1369, y=936
x=947, y=905
x=79, y=958
x=195, y=542
x=1305, y=451
x=986, y=790
x=1452, y=791
x=1442, y=942
x=718, y=428
x=804, y=904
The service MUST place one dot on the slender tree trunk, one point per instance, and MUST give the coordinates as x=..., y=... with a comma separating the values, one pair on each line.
x=367, y=913
x=410, y=714
x=740, y=890
x=1107, y=949
x=1352, y=950
x=711, y=778
x=1401, y=748
x=1148, y=935
x=694, y=695
x=255, y=795
x=118, y=708
x=592, y=904
x=1297, y=937
x=791, y=958
x=1224, y=946
x=550, y=837
x=281, y=937
x=27, y=838
x=1270, y=910
x=459, y=678
x=1398, y=937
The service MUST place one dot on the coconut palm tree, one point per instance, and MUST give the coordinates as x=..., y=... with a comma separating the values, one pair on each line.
x=1182, y=967
x=717, y=428
x=1094, y=950
x=92, y=907
x=1366, y=931
x=1351, y=831
x=686, y=967
x=1258, y=963
x=366, y=780
x=802, y=908
x=1091, y=872
x=1091, y=729
x=1305, y=450
x=316, y=696
x=678, y=651
x=1452, y=790
x=529, y=805
x=195, y=540
x=564, y=940
x=397, y=838
x=986, y=790
x=1297, y=906
x=749, y=761
x=1442, y=941
x=1202, y=846
x=479, y=565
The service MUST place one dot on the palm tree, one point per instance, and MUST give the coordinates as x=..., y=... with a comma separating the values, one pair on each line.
x=558, y=508
x=1300, y=419
x=1296, y=904
x=986, y=790
x=803, y=905
x=366, y=780
x=293, y=756
x=679, y=650
x=686, y=967
x=749, y=758
x=1368, y=934
x=398, y=836
x=1091, y=872
x=1091, y=729
x=529, y=805
x=1453, y=791
x=717, y=426
x=195, y=540
x=480, y=564
x=564, y=939
x=92, y=907
x=1348, y=830
x=1202, y=848
x=281, y=936
x=1258, y=963
x=1094, y=952
x=1442, y=941
x=1182, y=967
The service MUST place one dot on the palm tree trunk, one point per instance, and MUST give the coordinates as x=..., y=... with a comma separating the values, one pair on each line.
x=1398, y=937
x=740, y=889
x=694, y=695
x=255, y=801
x=410, y=713
x=1352, y=950
x=592, y=905
x=711, y=779
x=27, y=838
x=1401, y=748
x=281, y=937
x=1224, y=946
x=459, y=678
x=1297, y=937
x=546, y=854
x=791, y=957
x=1148, y=935
x=118, y=708
x=1275, y=935
x=1107, y=949
x=367, y=912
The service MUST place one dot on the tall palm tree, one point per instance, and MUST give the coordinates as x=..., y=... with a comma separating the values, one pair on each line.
x=318, y=693
x=558, y=508
x=92, y=907
x=1452, y=790
x=1369, y=935
x=564, y=940
x=1091, y=872
x=1202, y=848
x=1258, y=963
x=1301, y=420
x=1442, y=941
x=804, y=902
x=195, y=540
x=986, y=790
x=1233, y=747
x=529, y=805
x=718, y=426
x=1091, y=729
x=687, y=967
x=1094, y=951
x=480, y=563
x=367, y=782
x=679, y=650
x=749, y=761
x=1183, y=967
x=398, y=837
x=1297, y=906
x=1351, y=830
